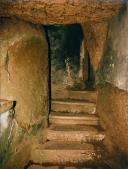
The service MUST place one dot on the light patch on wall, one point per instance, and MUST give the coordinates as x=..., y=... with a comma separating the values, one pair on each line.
x=4, y=122
x=6, y=115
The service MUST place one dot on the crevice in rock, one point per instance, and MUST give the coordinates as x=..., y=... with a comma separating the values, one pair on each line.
x=7, y=66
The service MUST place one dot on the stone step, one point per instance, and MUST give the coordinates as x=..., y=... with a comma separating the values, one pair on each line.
x=55, y=167
x=63, y=153
x=73, y=133
x=90, y=96
x=74, y=106
x=72, y=118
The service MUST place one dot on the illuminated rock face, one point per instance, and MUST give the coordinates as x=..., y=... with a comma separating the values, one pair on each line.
x=4, y=122
x=112, y=105
x=24, y=70
x=114, y=64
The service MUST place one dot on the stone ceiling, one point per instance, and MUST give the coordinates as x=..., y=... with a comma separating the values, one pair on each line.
x=60, y=11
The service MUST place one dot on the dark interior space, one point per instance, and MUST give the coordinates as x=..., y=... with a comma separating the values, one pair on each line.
x=70, y=61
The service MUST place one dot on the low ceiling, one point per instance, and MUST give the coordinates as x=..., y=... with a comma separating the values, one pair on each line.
x=60, y=11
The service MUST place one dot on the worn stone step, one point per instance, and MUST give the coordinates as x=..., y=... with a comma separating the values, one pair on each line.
x=63, y=153
x=90, y=96
x=55, y=167
x=74, y=106
x=73, y=133
x=72, y=118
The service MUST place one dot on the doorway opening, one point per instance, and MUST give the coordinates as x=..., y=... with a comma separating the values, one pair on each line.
x=71, y=68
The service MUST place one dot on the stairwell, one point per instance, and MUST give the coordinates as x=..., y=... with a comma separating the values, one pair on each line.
x=73, y=138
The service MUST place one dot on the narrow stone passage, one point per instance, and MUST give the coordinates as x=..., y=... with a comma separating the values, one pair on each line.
x=71, y=141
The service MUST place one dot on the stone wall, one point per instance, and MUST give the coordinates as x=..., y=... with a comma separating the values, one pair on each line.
x=24, y=70
x=95, y=39
x=112, y=105
x=60, y=11
x=24, y=79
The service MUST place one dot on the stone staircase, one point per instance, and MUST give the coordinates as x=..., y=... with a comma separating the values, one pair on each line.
x=74, y=135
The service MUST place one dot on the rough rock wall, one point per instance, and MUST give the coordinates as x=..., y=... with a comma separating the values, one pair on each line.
x=112, y=105
x=95, y=34
x=60, y=11
x=24, y=70
x=116, y=54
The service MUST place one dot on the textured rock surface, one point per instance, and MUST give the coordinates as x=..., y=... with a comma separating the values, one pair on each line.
x=24, y=79
x=95, y=40
x=5, y=105
x=112, y=105
x=59, y=11
x=114, y=66
x=23, y=70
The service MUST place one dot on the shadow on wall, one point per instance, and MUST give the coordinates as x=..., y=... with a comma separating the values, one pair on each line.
x=122, y=159
x=117, y=160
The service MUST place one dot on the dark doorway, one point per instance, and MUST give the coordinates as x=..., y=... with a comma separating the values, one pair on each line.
x=69, y=59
